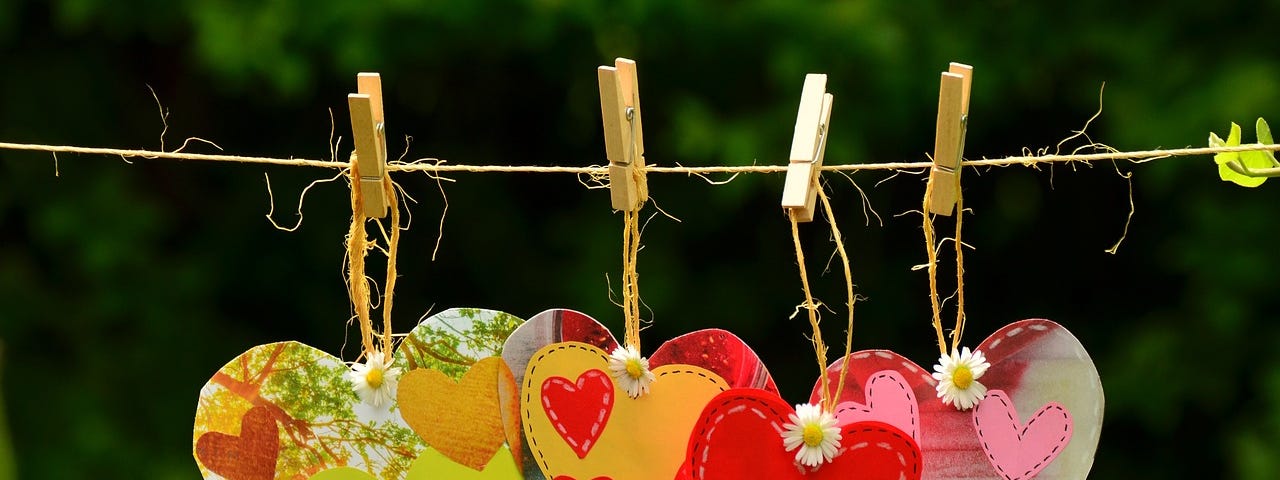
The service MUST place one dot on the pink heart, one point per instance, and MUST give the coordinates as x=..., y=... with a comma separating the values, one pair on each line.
x=1034, y=362
x=889, y=399
x=1019, y=452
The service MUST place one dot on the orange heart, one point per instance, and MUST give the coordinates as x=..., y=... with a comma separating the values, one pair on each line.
x=462, y=420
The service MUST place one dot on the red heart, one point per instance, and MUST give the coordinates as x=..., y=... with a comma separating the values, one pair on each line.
x=579, y=412
x=738, y=436
x=1036, y=362
x=250, y=456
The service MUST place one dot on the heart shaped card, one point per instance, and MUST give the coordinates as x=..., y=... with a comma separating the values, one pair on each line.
x=287, y=410
x=579, y=424
x=1041, y=418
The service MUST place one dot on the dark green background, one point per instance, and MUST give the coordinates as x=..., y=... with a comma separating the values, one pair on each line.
x=123, y=287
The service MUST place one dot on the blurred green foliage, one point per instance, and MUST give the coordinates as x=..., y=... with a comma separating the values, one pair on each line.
x=125, y=286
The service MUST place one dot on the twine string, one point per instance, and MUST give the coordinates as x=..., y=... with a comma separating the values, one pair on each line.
x=437, y=166
x=848, y=282
x=393, y=249
x=630, y=278
x=958, y=332
x=358, y=247
x=929, y=240
x=819, y=348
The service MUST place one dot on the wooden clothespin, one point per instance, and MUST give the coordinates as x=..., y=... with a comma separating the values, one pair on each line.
x=948, y=146
x=623, y=134
x=368, y=128
x=808, y=144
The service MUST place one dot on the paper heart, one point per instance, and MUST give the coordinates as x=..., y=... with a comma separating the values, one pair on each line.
x=248, y=456
x=462, y=420
x=642, y=439
x=579, y=410
x=432, y=465
x=1034, y=362
x=1020, y=452
x=322, y=422
x=718, y=351
x=738, y=436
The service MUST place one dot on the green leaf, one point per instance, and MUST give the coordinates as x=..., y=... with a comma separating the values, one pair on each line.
x=1264, y=132
x=1250, y=160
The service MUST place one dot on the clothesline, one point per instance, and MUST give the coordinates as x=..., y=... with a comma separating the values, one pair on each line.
x=438, y=166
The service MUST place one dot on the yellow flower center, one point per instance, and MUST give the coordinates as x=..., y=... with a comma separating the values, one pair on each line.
x=962, y=377
x=374, y=377
x=634, y=369
x=813, y=435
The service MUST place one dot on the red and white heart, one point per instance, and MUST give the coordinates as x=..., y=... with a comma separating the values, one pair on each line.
x=738, y=435
x=1035, y=364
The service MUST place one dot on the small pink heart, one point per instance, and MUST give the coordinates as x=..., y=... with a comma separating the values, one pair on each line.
x=889, y=399
x=1019, y=452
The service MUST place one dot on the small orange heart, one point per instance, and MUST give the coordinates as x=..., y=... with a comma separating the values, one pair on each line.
x=462, y=420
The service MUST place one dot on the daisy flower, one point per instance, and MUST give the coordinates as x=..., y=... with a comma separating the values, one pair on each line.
x=630, y=370
x=957, y=375
x=814, y=432
x=375, y=380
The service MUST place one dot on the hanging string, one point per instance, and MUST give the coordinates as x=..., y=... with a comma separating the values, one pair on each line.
x=630, y=278
x=358, y=246
x=929, y=241
x=960, y=317
x=848, y=282
x=819, y=348
x=393, y=249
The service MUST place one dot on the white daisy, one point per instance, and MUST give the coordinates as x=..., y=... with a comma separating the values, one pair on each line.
x=957, y=375
x=630, y=370
x=814, y=432
x=375, y=380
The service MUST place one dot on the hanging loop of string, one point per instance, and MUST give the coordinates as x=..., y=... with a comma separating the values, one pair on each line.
x=358, y=247
x=828, y=397
x=631, y=248
x=630, y=278
x=931, y=247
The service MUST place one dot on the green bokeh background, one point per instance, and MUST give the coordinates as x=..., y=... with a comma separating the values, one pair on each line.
x=124, y=286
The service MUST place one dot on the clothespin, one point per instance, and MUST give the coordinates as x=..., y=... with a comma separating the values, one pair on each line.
x=948, y=145
x=808, y=144
x=368, y=128
x=623, y=134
